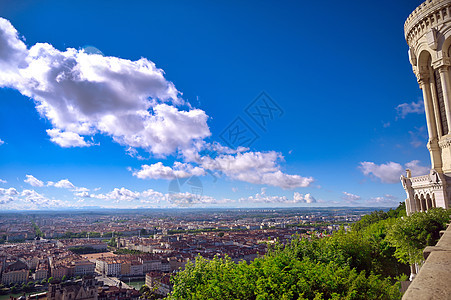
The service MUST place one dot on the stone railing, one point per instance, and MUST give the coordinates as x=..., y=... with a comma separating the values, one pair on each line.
x=422, y=178
x=429, y=13
x=433, y=279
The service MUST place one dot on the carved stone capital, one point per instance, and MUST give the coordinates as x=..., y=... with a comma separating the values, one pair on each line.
x=445, y=143
x=422, y=78
x=432, y=144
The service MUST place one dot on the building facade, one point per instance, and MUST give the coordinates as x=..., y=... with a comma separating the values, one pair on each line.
x=428, y=34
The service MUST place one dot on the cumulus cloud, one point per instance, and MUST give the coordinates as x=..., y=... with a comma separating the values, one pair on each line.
x=299, y=198
x=1, y=142
x=151, y=196
x=67, y=139
x=82, y=94
x=7, y=195
x=387, y=173
x=252, y=167
x=159, y=171
x=33, y=181
x=416, y=169
x=350, y=197
x=117, y=195
x=410, y=108
x=27, y=200
x=3, y=181
x=83, y=194
x=387, y=199
x=186, y=199
x=8, y=192
x=63, y=183
x=391, y=171
x=263, y=197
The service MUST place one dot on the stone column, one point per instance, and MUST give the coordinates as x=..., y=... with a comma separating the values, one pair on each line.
x=428, y=108
x=443, y=71
x=436, y=160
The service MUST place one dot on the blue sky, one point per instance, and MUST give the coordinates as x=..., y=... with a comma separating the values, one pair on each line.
x=138, y=104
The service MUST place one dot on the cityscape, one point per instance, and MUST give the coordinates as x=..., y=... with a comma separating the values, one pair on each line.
x=128, y=248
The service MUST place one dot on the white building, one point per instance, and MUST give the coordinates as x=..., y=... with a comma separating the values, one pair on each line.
x=428, y=34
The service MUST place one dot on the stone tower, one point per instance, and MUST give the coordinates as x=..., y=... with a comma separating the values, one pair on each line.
x=428, y=34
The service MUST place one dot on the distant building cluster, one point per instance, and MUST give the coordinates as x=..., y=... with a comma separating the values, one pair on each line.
x=97, y=264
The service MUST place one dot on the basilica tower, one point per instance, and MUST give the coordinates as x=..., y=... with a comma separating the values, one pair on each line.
x=428, y=34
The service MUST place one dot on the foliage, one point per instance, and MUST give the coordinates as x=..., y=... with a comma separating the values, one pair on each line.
x=127, y=251
x=83, y=234
x=358, y=264
x=410, y=235
x=363, y=263
x=37, y=230
x=112, y=242
x=379, y=215
x=85, y=250
x=278, y=276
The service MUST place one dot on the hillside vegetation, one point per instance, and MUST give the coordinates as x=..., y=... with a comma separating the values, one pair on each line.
x=366, y=262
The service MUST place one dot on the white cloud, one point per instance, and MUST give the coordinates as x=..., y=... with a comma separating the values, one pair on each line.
x=416, y=169
x=391, y=171
x=27, y=200
x=159, y=171
x=255, y=167
x=152, y=196
x=67, y=139
x=8, y=192
x=33, y=181
x=83, y=194
x=83, y=94
x=299, y=198
x=64, y=183
x=3, y=181
x=387, y=199
x=7, y=195
x=187, y=199
x=35, y=200
x=262, y=197
x=350, y=197
x=252, y=167
x=410, y=108
x=387, y=173
x=117, y=195
x=1, y=142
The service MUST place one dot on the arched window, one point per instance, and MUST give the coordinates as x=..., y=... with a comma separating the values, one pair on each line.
x=428, y=202
x=417, y=203
x=423, y=203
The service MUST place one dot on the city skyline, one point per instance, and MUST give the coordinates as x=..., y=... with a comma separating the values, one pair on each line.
x=144, y=105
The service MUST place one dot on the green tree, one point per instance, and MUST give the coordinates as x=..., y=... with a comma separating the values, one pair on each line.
x=278, y=275
x=410, y=235
x=112, y=242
